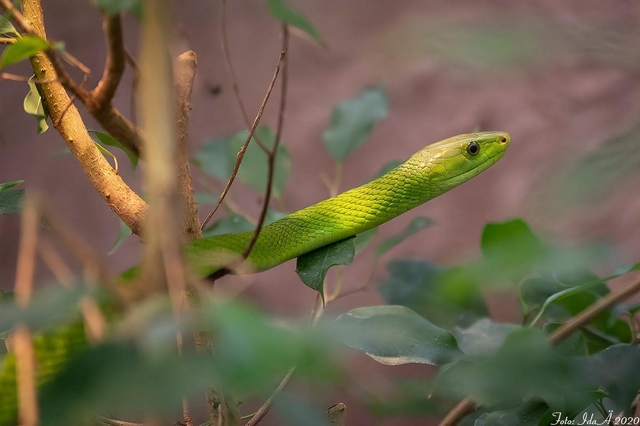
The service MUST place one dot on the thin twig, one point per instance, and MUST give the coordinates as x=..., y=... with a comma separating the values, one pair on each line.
x=264, y=409
x=7, y=40
x=272, y=154
x=16, y=16
x=467, y=406
x=234, y=79
x=243, y=149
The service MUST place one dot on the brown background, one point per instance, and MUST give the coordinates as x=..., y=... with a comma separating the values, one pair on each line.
x=560, y=77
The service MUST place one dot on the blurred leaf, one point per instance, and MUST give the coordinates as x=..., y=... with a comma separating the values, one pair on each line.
x=483, y=338
x=123, y=233
x=408, y=397
x=524, y=367
x=229, y=224
x=567, y=298
x=107, y=139
x=592, y=176
x=214, y=158
x=7, y=29
x=395, y=335
x=364, y=238
x=254, y=168
x=217, y=158
x=388, y=167
x=293, y=409
x=446, y=297
x=111, y=7
x=9, y=185
x=312, y=267
x=511, y=247
x=10, y=199
x=483, y=44
x=49, y=308
x=352, y=122
x=33, y=104
x=615, y=371
x=417, y=224
x=625, y=269
x=288, y=15
x=24, y=48
x=528, y=414
x=574, y=345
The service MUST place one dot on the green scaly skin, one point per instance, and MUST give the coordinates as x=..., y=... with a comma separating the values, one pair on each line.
x=427, y=174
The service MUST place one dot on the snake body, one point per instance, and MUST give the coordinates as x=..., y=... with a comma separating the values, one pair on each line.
x=430, y=172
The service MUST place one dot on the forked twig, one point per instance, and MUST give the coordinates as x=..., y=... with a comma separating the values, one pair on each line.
x=272, y=154
x=243, y=149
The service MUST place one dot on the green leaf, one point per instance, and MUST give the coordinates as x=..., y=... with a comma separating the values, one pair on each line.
x=214, y=158
x=352, y=122
x=417, y=224
x=625, y=269
x=33, y=104
x=254, y=169
x=312, y=267
x=10, y=200
x=364, y=238
x=574, y=345
x=107, y=139
x=288, y=15
x=530, y=413
x=217, y=158
x=124, y=232
x=483, y=338
x=524, y=367
x=229, y=224
x=8, y=185
x=24, y=48
x=7, y=29
x=388, y=167
x=512, y=247
x=111, y=7
x=107, y=153
x=395, y=335
x=446, y=297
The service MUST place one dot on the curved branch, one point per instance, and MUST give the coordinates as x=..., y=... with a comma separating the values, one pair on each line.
x=115, y=62
x=69, y=124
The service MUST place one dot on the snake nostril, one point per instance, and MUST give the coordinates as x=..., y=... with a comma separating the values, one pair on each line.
x=503, y=139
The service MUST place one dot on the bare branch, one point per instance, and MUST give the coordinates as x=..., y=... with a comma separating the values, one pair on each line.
x=69, y=124
x=184, y=75
x=114, y=64
x=272, y=154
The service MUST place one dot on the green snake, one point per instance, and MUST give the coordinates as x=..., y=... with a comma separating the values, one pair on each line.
x=430, y=172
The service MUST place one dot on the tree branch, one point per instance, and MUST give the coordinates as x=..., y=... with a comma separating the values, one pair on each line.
x=184, y=75
x=69, y=124
x=114, y=64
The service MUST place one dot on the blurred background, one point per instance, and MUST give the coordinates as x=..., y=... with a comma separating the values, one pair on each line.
x=563, y=78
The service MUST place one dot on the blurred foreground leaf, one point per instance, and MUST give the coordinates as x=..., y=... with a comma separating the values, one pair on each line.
x=288, y=15
x=352, y=122
x=10, y=199
x=23, y=48
x=395, y=335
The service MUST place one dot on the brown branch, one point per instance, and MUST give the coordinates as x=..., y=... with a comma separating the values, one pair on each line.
x=467, y=406
x=243, y=149
x=114, y=64
x=337, y=414
x=234, y=79
x=7, y=40
x=184, y=75
x=69, y=124
x=272, y=154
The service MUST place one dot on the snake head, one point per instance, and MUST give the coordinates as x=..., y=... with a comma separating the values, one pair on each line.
x=455, y=160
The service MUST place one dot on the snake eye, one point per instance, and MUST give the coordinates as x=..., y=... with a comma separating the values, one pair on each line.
x=473, y=148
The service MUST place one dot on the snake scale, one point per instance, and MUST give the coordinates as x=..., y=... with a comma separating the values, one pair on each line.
x=430, y=172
